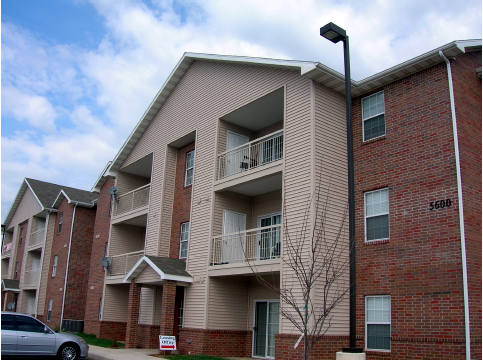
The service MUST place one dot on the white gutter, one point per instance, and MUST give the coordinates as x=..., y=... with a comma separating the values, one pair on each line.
x=67, y=267
x=460, y=205
x=37, y=293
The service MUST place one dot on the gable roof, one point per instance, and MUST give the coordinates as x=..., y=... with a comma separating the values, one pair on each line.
x=313, y=70
x=46, y=194
x=12, y=285
x=75, y=196
x=167, y=269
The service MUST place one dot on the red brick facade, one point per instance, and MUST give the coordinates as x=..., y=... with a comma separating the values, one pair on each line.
x=112, y=330
x=325, y=348
x=215, y=342
x=181, y=200
x=420, y=265
x=133, y=315
x=96, y=272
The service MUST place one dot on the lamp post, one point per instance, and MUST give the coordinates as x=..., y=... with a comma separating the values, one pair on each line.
x=335, y=34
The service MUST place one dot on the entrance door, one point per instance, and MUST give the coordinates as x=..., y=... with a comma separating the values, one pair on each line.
x=265, y=327
x=235, y=160
x=30, y=305
x=269, y=242
x=233, y=245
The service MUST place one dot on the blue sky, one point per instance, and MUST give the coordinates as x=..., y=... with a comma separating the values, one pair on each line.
x=77, y=75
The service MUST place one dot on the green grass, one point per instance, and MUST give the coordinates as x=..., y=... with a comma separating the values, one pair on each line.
x=194, y=357
x=93, y=340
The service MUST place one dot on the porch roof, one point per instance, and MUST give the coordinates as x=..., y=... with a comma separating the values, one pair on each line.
x=11, y=285
x=166, y=268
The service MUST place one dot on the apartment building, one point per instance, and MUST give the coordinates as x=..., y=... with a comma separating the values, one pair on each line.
x=219, y=171
x=46, y=252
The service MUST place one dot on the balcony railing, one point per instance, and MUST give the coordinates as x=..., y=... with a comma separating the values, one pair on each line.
x=132, y=200
x=121, y=264
x=250, y=245
x=31, y=278
x=36, y=238
x=256, y=153
x=7, y=250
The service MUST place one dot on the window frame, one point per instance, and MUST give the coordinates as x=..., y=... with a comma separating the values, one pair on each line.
x=20, y=237
x=100, y=309
x=181, y=240
x=54, y=265
x=15, y=274
x=379, y=214
x=59, y=226
x=188, y=168
x=49, y=310
x=373, y=116
x=377, y=323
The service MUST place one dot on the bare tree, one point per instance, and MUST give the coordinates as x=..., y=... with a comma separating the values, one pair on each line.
x=317, y=258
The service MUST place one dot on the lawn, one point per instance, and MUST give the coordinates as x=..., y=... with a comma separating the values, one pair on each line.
x=91, y=339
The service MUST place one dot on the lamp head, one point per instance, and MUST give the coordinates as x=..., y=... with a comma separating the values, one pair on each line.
x=332, y=32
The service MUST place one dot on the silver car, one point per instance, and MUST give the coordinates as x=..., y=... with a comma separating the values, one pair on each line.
x=24, y=335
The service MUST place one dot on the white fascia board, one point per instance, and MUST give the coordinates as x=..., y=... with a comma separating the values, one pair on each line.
x=101, y=179
x=58, y=198
x=185, y=279
x=33, y=192
x=468, y=45
x=125, y=279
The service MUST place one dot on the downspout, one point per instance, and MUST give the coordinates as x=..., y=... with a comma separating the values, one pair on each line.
x=67, y=267
x=460, y=205
x=42, y=264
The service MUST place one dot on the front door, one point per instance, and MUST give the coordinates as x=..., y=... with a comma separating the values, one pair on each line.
x=269, y=241
x=236, y=160
x=233, y=245
x=265, y=327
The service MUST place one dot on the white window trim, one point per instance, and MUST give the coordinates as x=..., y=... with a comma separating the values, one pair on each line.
x=384, y=213
x=187, y=168
x=377, y=323
x=364, y=120
x=184, y=241
x=54, y=265
x=61, y=218
x=49, y=310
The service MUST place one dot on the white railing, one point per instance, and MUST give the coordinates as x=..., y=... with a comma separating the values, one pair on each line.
x=121, y=264
x=31, y=277
x=256, y=244
x=36, y=238
x=132, y=200
x=256, y=153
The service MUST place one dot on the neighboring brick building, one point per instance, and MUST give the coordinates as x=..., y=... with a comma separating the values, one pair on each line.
x=57, y=223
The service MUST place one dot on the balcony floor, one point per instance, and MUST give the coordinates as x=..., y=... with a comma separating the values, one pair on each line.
x=242, y=268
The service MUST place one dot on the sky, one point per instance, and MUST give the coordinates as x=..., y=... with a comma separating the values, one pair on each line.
x=77, y=75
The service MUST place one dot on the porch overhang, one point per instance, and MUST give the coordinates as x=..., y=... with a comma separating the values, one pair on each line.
x=166, y=268
x=10, y=285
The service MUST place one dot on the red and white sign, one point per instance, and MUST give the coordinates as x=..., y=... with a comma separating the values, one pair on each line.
x=7, y=247
x=167, y=342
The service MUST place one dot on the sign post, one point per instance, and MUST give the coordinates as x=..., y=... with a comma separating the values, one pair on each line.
x=167, y=342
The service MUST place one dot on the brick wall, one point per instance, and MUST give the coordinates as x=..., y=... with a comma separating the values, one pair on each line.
x=467, y=92
x=325, y=348
x=79, y=263
x=20, y=250
x=133, y=315
x=181, y=200
x=148, y=336
x=96, y=272
x=112, y=330
x=215, y=342
x=60, y=247
x=420, y=265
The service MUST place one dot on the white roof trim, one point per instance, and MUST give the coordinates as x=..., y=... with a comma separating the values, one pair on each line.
x=161, y=274
x=101, y=179
x=21, y=191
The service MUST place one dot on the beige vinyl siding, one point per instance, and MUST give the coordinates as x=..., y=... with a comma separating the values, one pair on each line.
x=227, y=308
x=266, y=204
x=270, y=129
x=226, y=126
x=45, y=275
x=148, y=276
x=167, y=205
x=127, y=182
x=158, y=299
x=27, y=207
x=126, y=238
x=146, y=305
x=196, y=104
x=115, y=301
x=259, y=292
x=331, y=177
x=232, y=202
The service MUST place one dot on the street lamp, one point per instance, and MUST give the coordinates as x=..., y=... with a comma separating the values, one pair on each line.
x=335, y=34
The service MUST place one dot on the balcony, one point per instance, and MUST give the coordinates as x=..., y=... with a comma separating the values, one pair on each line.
x=132, y=200
x=31, y=278
x=36, y=238
x=121, y=264
x=258, y=244
x=7, y=250
x=254, y=154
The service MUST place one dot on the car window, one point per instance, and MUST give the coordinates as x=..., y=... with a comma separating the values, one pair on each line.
x=7, y=322
x=28, y=324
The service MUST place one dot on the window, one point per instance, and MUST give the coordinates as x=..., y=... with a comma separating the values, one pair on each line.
x=190, y=163
x=378, y=322
x=61, y=215
x=20, y=238
x=180, y=314
x=16, y=271
x=373, y=120
x=377, y=214
x=183, y=244
x=54, y=266
x=100, y=308
x=25, y=323
x=49, y=310
x=7, y=322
